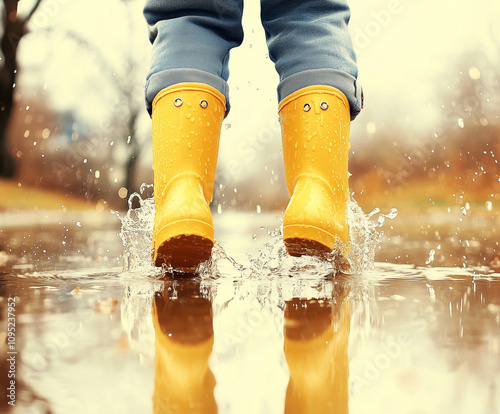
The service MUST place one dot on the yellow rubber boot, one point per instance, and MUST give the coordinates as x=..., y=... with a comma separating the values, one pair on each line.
x=315, y=123
x=187, y=120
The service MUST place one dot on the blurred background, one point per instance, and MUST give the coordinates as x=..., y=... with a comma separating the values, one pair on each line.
x=73, y=122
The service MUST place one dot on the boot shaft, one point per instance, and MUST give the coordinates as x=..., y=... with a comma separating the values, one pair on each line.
x=315, y=124
x=187, y=120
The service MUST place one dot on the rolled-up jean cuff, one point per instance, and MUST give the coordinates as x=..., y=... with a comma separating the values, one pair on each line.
x=343, y=81
x=161, y=80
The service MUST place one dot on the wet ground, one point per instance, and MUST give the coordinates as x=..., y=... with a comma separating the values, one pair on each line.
x=257, y=332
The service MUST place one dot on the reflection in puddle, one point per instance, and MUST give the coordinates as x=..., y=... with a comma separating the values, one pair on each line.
x=416, y=337
x=313, y=340
x=315, y=343
x=184, y=338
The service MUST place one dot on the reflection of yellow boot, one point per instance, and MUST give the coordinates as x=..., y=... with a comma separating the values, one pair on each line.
x=316, y=339
x=315, y=124
x=187, y=119
x=184, y=383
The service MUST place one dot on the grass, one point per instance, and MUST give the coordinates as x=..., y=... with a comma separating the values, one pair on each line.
x=14, y=196
x=413, y=197
x=421, y=195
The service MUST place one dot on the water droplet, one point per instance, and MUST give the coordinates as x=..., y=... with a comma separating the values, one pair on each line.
x=122, y=192
x=474, y=73
x=430, y=259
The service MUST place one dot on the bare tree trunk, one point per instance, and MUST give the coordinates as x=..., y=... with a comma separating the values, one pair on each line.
x=14, y=30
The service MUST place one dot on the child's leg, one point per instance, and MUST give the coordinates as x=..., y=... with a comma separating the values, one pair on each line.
x=191, y=42
x=310, y=45
x=186, y=92
x=318, y=94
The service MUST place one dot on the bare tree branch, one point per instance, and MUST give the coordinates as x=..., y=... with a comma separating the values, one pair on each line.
x=33, y=10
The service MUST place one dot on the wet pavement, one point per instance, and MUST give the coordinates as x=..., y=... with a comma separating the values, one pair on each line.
x=256, y=332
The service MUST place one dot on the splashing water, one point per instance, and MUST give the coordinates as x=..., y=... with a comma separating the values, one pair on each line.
x=364, y=235
x=272, y=258
x=432, y=253
x=137, y=232
x=359, y=254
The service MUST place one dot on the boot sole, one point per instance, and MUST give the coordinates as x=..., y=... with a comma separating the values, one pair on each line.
x=298, y=247
x=306, y=239
x=184, y=244
x=184, y=252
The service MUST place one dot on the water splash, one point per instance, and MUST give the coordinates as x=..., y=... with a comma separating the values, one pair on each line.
x=432, y=253
x=137, y=231
x=364, y=235
x=271, y=259
x=354, y=257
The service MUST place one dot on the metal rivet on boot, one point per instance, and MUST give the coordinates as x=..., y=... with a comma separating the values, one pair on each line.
x=324, y=105
x=178, y=102
x=307, y=107
x=203, y=103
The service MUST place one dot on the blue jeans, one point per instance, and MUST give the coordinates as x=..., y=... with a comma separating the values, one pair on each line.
x=308, y=42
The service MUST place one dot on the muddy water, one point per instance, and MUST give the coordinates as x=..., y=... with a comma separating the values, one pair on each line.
x=257, y=332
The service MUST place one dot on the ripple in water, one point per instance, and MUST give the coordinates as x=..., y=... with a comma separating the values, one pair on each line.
x=271, y=259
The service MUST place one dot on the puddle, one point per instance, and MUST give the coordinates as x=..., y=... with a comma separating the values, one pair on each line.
x=267, y=335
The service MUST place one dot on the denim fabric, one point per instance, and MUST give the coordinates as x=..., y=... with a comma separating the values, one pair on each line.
x=310, y=45
x=308, y=41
